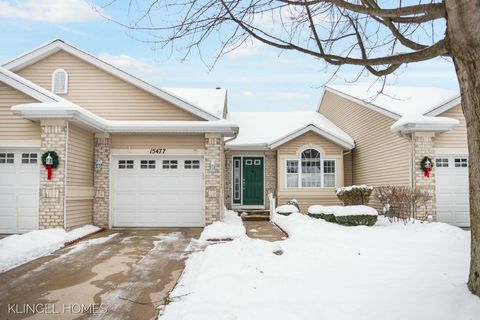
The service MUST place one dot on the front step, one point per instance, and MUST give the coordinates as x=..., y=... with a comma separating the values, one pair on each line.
x=255, y=215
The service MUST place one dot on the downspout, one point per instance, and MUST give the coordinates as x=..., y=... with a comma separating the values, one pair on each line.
x=65, y=179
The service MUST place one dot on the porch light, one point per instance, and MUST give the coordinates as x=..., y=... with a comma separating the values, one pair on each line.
x=212, y=165
x=99, y=165
x=49, y=160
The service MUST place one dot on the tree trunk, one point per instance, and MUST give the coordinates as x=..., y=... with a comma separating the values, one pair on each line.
x=463, y=34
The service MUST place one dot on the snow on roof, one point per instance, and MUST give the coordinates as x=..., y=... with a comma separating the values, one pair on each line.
x=399, y=100
x=265, y=128
x=210, y=100
x=424, y=123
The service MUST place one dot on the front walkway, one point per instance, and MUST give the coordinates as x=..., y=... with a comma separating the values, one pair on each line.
x=128, y=273
x=263, y=230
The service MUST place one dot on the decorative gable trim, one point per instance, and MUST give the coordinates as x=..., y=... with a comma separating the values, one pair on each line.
x=50, y=48
x=311, y=127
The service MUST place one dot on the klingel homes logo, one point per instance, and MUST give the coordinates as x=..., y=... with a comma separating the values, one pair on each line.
x=51, y=308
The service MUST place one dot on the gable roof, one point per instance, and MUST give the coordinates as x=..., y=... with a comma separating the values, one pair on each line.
x=211, y=100
x=268, y=130
x=27, y=87
x=395, y=101
x=57, y=45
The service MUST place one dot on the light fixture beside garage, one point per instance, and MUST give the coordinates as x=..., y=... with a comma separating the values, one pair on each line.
x=212, y=165
x=99, y=165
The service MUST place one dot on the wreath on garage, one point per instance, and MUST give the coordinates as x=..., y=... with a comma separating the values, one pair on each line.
x=50, y=161
x=426, y=165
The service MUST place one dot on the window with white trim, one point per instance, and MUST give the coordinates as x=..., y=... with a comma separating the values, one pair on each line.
x=60, y=81
x=329, y=173
x=192, y=164
x=7, y=158
x=125, y=164
x=292, y=174
x=461, y=163
x=170, y=164
x=441, y=162
x=310, y=171
x=147, y=164
x=29, y=158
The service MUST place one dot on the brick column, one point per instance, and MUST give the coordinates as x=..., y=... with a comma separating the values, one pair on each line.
x=101, y=200
x=54, y=135
x=424, y=146
x=270, y=176
x=214, y=169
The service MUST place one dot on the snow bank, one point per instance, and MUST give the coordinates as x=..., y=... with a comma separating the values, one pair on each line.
x=328, y=271
x=18, y=249
x=286, y=208
x=354, y=211
x=230, y=228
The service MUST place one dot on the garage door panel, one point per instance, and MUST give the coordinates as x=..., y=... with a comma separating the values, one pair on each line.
x=452, y=193
x=158, y=197
x=19, y=193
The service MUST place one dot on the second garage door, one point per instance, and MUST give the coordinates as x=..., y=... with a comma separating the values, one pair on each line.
x=157, y=191
x=452, y=190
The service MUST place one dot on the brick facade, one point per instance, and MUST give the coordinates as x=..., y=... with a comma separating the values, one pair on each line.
x=52, y=192
x=424, y=145
x=214, y=178
x=101, y=200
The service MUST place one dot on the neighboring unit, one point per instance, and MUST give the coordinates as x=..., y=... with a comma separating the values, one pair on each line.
x=134, y=155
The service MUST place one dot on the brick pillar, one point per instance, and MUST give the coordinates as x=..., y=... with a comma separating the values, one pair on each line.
x=214, y=169
x=54, y=135
x=101, y=200
x=424, y=146
x=270, y=176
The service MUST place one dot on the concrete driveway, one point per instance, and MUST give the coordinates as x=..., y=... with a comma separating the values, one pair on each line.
x=115, y=274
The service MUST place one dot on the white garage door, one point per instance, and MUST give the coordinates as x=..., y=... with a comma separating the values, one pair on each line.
x=158, y=191
x=452, y=190
x=19, y=190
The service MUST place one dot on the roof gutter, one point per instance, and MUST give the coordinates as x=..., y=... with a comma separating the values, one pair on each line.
x=84, y=118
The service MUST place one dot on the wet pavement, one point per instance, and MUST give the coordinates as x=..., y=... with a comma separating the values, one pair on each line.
x=115, y=274
x=264, y=230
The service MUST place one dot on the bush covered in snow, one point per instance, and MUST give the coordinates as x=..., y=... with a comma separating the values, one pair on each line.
x=286, y=209
x=354, y=195
x=346, y=215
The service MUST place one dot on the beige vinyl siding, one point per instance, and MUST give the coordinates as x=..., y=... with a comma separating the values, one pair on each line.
x=79, y=213
x=147, y=141
x=14, y=128
x=80, y=170
x=347, y=169
x=456, y=138
x=380, y=157
x=308, y=196
x=102, y=93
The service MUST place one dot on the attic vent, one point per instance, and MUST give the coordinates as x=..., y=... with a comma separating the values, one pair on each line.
x=60, y=81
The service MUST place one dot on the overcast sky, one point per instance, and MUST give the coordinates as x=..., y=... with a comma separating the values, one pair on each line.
x=256, y=77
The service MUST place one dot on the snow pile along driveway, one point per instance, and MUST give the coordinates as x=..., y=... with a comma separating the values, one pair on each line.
x=328, y=271
x=230, y=228
x=18, y=249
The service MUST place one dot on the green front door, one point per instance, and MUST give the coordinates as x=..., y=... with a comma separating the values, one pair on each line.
x=252, y=180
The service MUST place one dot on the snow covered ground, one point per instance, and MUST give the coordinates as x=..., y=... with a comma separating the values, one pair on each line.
x=18, y=249
x=329, y=271
x=230, y=228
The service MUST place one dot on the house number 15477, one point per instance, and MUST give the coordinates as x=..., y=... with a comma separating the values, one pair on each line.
x=157, y=151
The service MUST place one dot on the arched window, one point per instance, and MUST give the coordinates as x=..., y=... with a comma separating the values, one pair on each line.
x=311, y=169
x=60, y=81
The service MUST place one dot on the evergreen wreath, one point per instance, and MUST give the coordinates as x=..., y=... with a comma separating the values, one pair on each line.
x=426, y=165
x=55, y=160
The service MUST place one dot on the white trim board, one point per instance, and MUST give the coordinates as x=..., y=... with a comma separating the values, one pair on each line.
x=54, y=46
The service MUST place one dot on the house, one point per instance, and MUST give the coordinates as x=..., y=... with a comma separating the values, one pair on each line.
x=129, y=154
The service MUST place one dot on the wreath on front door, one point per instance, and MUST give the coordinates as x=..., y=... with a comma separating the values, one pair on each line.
x=50, y=161
x=426, y=165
